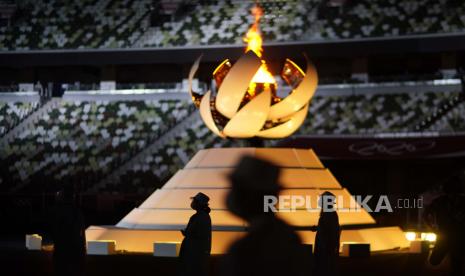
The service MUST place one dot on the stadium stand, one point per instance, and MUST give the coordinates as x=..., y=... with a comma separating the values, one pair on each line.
x=58, y=24
x=451, y=120
x=86, y=140
x=369, y=114
x=121, y=24
x=12, y=113
x=226, y=22
x=450, y=109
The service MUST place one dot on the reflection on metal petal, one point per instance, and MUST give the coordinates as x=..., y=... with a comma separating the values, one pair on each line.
x=221, y=71
x=206, y=114
x=196, y=97
x=292, y=74
x=251, y=118
x=287, y=128
x=297, y=98
x=235, y=84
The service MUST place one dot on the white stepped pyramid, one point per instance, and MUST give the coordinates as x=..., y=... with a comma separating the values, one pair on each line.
x=167, y=210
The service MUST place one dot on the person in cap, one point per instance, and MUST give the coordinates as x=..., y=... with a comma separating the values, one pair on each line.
x=327, y=237
x=270, y=247
x=196, y=246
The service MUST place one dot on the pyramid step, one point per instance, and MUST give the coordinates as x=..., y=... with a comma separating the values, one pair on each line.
x=181, y=198
x=204, y=178
x=222, y=220
x=281, y=157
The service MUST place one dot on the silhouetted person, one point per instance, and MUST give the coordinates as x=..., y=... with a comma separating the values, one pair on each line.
x=68, y=235
x=446, y=216
x=270, y=247
x=196, y=246
x=40, y=90
x=327, y=237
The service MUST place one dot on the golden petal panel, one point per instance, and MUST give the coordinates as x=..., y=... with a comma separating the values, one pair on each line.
x=251, y=118
x=206, y=114
x=235, y=84
x=194, y=95
x=287, y=128
x=299, y=97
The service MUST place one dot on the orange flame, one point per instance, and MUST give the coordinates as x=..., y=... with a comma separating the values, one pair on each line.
x=254, y=42
x=253, y=37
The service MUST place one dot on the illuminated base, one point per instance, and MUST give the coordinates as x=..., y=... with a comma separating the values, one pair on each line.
x=167, y=210
x=140, y=240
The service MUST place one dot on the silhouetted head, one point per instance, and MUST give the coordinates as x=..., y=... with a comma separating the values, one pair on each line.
x=65, y=194
x=251, y=181
x=200, y=202
x=327, y=202
x=453, y=185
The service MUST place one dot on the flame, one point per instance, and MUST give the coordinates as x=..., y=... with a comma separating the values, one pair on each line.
x=263, y=75
x=254, y=42
x=253, y=37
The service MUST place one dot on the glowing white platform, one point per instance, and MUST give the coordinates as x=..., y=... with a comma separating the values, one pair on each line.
x=167, y=210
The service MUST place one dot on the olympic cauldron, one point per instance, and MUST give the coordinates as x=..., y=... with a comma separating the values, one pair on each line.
x=246, y=104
